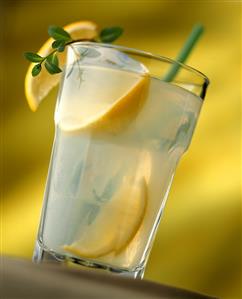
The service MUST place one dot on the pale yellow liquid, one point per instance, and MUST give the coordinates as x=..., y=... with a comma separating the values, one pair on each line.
x=87, y=162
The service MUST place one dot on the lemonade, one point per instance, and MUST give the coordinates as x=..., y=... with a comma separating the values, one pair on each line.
x=120, y=133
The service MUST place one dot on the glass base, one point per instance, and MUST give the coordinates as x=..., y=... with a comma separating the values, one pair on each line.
x=43, y=255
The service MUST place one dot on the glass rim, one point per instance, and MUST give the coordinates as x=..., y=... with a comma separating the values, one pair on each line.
x=148, y=55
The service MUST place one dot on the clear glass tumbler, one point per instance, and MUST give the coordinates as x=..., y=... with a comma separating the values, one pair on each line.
x=123, y=119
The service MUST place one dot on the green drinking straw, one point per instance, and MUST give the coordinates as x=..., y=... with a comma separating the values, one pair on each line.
x=185, y=51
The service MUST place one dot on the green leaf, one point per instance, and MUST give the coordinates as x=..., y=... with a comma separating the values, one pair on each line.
x=108, y=35
x=36, y=69
x=93, y=212
x=53, y=59
x=61, y=48
x=58, y=33
x=57, y=43
x=52, y=68
x=33, y=57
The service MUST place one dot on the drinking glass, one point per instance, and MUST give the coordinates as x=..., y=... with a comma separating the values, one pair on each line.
x=123, y=118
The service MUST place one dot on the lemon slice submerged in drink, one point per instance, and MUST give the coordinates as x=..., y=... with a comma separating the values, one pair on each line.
x=107, y=99
x=116, y=224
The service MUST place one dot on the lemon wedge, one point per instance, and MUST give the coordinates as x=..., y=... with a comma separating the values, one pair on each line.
x=107, y=100
x=37, y=88
x=117, y=223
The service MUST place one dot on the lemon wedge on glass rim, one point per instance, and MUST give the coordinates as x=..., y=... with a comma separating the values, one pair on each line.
x=37, y=88
x=122, y=108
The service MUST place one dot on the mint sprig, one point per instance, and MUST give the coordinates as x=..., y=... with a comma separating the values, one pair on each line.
x=61, y=39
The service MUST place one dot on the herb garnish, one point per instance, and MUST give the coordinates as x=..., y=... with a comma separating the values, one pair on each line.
x=62, y=39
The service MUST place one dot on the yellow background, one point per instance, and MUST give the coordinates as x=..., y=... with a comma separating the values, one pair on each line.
x=198, y=242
